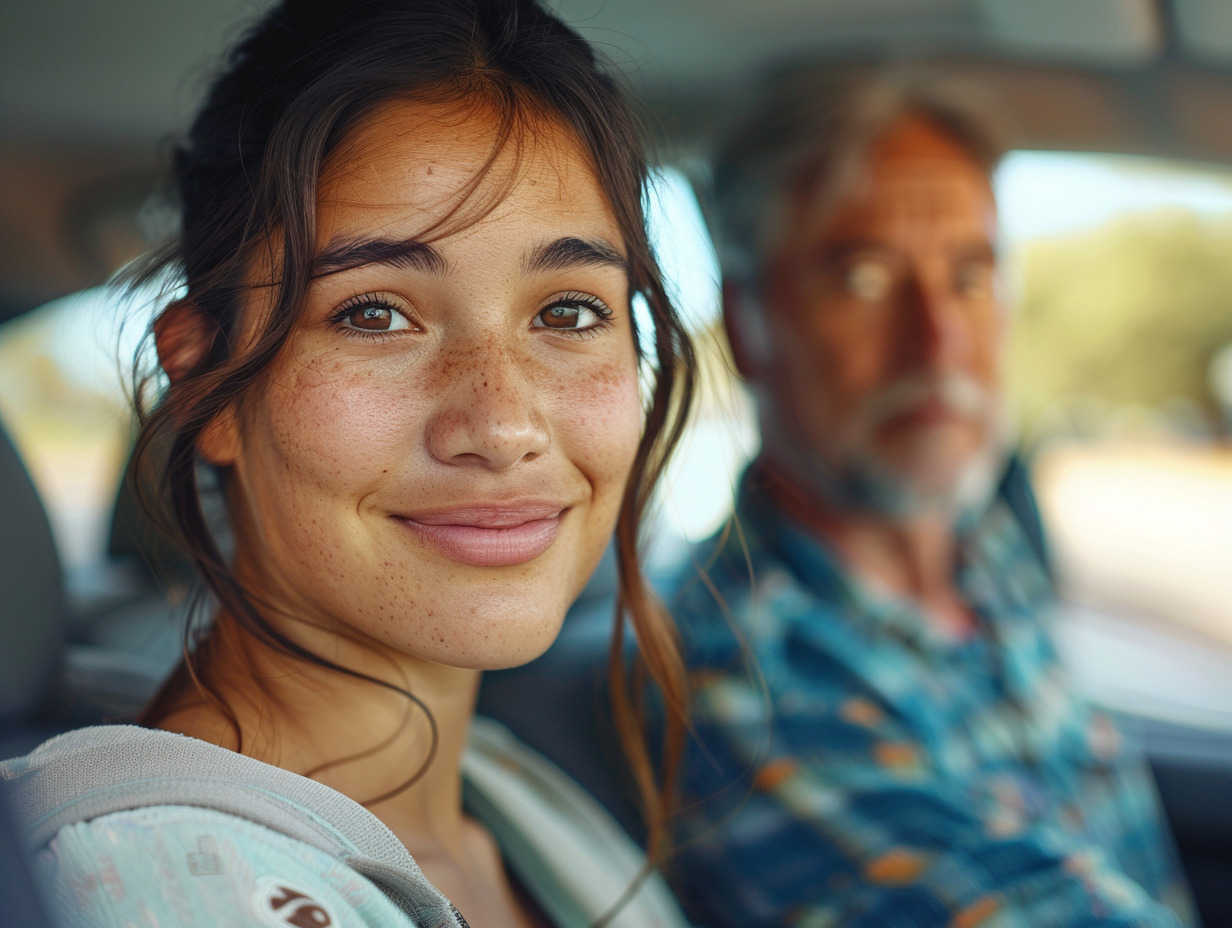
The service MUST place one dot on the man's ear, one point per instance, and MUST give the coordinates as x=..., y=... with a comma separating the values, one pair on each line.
x=746, y=330
x=183, y=336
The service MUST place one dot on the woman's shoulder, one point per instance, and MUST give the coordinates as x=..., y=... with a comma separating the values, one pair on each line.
x=121, y=816
x=83, y=774
x=193, y=866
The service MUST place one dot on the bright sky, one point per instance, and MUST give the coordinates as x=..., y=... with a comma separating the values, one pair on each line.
x=1050, y=193
x=686, y=256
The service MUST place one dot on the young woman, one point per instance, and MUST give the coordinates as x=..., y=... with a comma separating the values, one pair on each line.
x=411, y=236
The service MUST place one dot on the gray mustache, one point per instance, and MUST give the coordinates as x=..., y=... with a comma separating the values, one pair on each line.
x=958, y=393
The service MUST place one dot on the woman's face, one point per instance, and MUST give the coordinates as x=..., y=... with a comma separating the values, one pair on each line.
x=437, y=458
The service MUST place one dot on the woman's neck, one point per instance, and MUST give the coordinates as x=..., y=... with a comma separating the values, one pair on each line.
x=395, y=748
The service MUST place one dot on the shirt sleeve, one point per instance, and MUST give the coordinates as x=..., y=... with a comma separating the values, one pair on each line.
x=182, y=867
x=836, y=814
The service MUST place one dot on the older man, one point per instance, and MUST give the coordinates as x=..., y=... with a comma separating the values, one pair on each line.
x=884, y=736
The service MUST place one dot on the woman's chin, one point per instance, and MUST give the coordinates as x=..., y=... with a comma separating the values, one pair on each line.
x=514, y=637
x=500, y=655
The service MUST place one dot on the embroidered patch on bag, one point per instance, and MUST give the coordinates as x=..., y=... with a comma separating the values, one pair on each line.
x=282, y=905
x=205, y=861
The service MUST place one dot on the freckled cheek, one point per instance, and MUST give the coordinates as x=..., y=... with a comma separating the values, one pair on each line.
x=598, y=416
x=339, y=429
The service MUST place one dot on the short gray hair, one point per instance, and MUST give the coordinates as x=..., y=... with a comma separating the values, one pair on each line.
x=811, y=127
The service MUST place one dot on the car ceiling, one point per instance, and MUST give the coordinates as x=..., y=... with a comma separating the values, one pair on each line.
x=91, y=93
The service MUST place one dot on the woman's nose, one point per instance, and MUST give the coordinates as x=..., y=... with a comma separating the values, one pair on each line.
x=488, y=412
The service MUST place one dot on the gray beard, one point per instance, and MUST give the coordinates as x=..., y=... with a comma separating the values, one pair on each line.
x=860, y=480
x=869, y=487
x=864, y=484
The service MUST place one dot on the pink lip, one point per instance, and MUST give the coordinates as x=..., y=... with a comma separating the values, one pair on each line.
x=496, y=535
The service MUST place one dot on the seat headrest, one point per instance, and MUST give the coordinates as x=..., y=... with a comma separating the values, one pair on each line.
x=32, y=600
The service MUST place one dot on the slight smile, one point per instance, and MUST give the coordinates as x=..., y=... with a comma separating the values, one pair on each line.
x=489, y=535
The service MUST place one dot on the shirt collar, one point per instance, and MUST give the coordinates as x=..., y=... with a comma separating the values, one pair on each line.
x=987, y=543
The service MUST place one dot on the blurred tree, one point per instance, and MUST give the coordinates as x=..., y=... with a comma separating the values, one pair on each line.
x=1128, y=315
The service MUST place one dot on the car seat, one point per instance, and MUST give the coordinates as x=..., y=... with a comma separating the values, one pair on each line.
x=33, y=607
x=65, y=662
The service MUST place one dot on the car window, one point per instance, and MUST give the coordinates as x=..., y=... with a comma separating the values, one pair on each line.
x=1118, y=378
x=65, y=381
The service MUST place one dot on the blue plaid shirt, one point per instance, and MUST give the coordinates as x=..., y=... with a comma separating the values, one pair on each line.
x=867, y=770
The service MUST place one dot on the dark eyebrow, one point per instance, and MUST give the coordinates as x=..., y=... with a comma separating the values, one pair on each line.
x=348, y=254
x=570, y=252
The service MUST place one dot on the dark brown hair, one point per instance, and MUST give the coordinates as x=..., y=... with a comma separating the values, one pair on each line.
x=246, y=177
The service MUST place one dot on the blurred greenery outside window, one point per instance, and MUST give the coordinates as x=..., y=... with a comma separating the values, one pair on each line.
x=1118, y=380
x=1118, y=376
x=66, y=373
x=1121, y=279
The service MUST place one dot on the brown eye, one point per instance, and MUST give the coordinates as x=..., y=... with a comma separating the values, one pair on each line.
x=561, y=317
x=572, y=315
x=372, y=315
x=373, y=318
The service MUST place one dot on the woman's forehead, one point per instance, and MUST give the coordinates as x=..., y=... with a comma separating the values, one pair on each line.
x=413, y=164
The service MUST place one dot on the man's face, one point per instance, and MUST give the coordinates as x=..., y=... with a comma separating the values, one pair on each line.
x=878, y=380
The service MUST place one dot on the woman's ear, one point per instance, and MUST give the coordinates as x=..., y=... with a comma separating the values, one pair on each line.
x=219, y=441
x=183, y=335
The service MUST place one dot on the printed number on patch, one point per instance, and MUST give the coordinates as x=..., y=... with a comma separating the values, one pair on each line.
x=282, y=905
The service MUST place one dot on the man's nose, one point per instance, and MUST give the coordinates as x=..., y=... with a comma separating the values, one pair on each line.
x=487, y=413
x=938, y=332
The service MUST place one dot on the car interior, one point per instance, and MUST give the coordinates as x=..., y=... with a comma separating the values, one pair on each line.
x=1117, y=205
